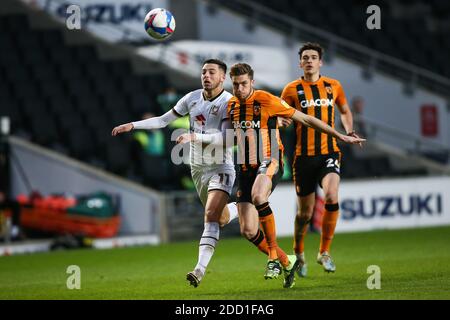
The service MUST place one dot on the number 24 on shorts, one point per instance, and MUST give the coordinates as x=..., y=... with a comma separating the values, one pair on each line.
x=332, y=163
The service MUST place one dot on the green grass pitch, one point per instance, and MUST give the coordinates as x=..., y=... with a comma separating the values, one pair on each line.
x=414, y=263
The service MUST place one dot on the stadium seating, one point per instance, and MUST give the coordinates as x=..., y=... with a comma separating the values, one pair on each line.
x=424, y=22
x=66, y=98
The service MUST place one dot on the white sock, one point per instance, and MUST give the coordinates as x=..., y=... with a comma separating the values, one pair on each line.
x=207, y=245
x=232, y=208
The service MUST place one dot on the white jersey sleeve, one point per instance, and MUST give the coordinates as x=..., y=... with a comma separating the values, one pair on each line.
x=182, y=106
x=156, y=122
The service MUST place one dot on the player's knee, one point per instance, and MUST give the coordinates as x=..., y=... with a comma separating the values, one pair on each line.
x=258, y=199
x=303, y=219
x=247, y=233
x=331, y=196
x=211, y=215
x=306, y=211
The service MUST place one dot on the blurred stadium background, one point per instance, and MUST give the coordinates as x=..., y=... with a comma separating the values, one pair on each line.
x=62, y=91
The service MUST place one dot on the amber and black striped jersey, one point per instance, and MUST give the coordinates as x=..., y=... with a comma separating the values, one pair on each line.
x=317, y=99
x=256, y=128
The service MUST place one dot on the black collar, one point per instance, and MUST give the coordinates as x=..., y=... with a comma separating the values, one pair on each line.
x=214, y=98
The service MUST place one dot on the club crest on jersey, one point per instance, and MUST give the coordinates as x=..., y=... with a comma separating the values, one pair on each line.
x=214, y=110
x=329, y=90
x=256, y=109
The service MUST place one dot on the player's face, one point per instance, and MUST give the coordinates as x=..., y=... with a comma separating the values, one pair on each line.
x=212, y=76
x=242, y=86
x=310, y=62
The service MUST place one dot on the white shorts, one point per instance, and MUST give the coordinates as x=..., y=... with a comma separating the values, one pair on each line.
x=213, y=178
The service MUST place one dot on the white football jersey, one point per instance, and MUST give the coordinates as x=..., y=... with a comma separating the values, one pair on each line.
x=206, y=116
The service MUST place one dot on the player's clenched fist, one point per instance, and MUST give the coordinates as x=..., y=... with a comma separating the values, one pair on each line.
x=122, y=128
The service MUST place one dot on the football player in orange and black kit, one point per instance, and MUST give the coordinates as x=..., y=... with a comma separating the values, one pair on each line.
x=317, y=155
x=253, y=115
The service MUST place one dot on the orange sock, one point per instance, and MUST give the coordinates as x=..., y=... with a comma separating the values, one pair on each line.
x=260, y=242
x=267, y=221
x=301, y=226
x=329, y=221
x=282, y=257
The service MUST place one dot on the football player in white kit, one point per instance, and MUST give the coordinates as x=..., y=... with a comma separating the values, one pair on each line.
x=212, y=171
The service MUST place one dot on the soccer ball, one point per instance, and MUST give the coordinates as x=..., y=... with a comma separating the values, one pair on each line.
x=159, y=24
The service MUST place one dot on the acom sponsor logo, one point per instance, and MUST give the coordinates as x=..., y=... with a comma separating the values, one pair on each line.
x=246, y=124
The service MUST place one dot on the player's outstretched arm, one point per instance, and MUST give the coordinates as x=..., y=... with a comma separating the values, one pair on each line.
x=319, y=125
x=147, y=124
x=126, y=127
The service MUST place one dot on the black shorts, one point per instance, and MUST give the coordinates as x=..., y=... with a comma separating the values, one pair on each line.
x=246, y=177
x=309, y=171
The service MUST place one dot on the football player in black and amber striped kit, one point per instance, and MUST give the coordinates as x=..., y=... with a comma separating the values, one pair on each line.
x=253, y=115
x=317, y=155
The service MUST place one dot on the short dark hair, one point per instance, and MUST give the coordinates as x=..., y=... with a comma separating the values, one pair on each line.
x=239, y=69
x=220, y=63
x=312, y=46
